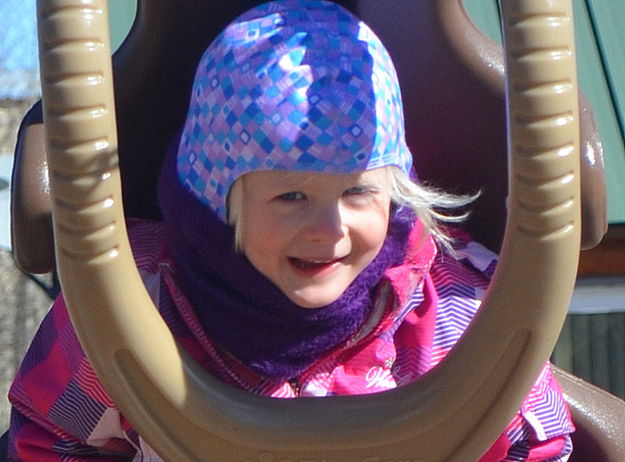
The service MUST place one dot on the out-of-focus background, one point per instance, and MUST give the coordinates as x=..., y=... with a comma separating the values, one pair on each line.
x=592, y=344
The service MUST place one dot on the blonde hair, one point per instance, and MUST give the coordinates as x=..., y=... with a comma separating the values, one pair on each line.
x=234, y=204
x=433, y=207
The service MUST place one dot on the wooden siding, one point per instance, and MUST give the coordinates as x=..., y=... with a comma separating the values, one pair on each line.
x=592, y=346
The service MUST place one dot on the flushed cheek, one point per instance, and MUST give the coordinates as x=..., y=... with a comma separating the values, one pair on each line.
x=370, y=237
x=259, y=249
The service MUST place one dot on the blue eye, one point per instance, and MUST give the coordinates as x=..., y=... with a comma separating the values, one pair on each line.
x=292, y=196
x=357, y=190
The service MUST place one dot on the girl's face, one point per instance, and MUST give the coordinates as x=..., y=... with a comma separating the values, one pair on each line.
x=311, y=234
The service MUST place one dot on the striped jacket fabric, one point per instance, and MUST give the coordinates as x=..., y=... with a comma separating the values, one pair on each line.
x=62, y=413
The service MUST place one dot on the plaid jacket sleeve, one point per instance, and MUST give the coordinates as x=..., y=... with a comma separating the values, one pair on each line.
x=60, y=411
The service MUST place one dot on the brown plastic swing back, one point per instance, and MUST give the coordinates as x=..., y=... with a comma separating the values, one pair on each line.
x=452, y=83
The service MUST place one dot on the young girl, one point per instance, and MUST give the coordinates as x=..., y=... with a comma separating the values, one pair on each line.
x=296, y=256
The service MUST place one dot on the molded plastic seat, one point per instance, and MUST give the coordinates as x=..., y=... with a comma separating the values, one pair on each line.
x=452, y=82
x=599, y=418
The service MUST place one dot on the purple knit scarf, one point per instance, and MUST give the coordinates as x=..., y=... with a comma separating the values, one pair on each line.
x=242, y=311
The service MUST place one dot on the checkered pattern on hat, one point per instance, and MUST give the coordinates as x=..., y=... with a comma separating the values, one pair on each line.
x=291, y=85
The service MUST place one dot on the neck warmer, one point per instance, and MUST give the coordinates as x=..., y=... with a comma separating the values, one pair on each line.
x=242, y=311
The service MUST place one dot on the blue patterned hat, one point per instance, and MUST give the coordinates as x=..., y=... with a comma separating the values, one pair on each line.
x=292, y=85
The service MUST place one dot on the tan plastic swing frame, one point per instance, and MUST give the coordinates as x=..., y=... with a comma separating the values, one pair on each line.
x=452, y=413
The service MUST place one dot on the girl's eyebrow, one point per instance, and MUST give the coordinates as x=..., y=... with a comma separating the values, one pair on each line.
x=370, y=181
x=295, y=180
x=363, y=184
x=292, y=180
x=377, y=183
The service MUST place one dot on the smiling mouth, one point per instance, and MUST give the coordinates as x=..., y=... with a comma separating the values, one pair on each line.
x=313, y=266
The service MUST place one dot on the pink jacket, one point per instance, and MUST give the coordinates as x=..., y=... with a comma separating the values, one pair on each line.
x=61, y=411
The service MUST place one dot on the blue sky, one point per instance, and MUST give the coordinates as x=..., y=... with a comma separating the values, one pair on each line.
x=18, y=49
x=18, y=29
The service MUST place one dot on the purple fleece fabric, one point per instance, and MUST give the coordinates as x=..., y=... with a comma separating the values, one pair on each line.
x=240, y=309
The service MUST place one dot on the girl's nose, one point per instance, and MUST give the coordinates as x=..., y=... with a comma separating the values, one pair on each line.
x=326, y=221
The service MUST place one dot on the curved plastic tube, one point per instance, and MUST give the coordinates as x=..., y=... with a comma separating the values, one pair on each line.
x=453, y=413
